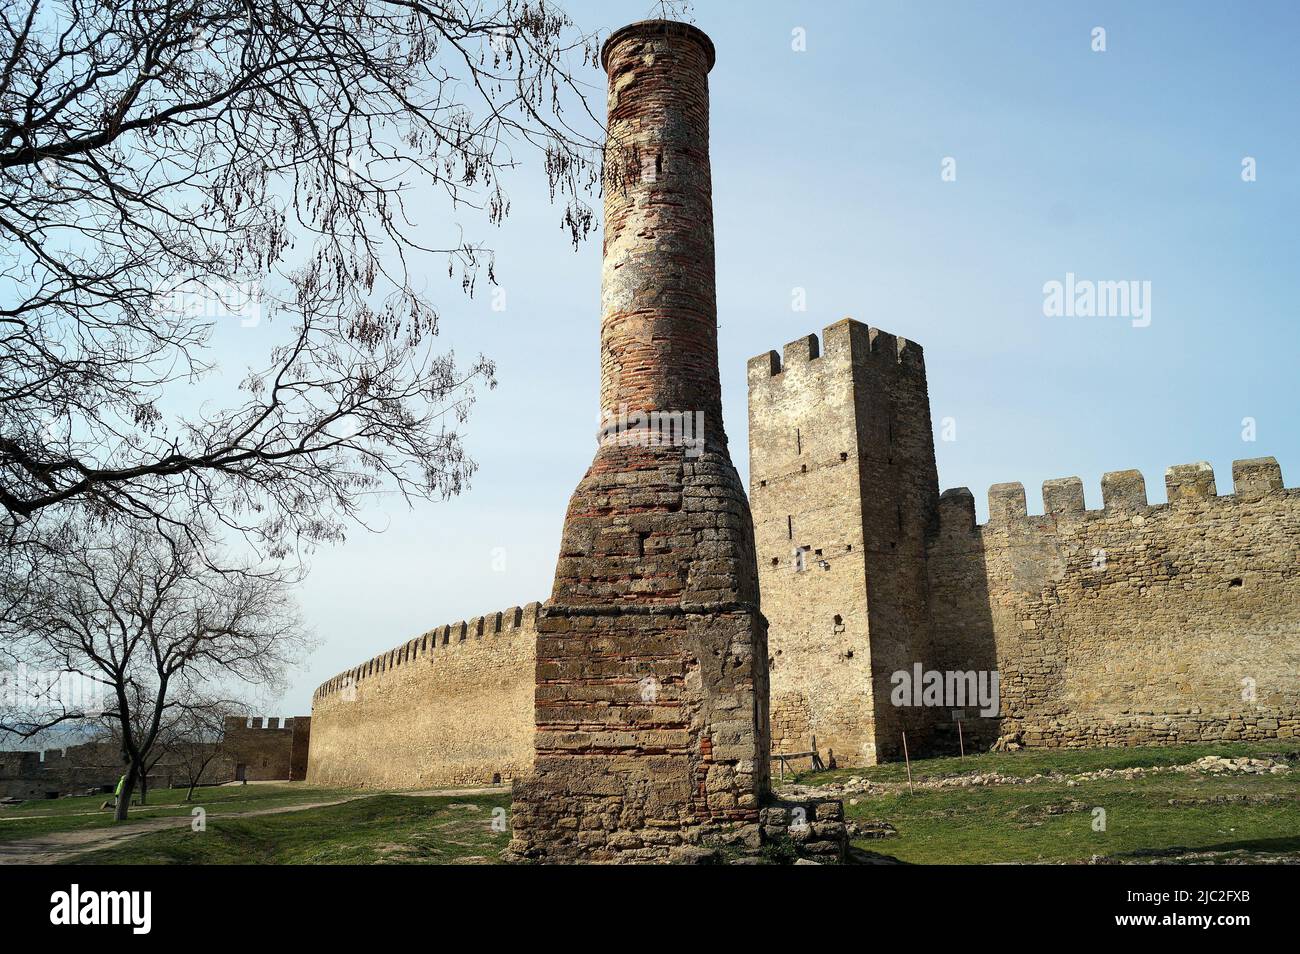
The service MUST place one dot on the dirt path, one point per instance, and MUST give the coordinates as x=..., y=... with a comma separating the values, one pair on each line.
x=62, y=846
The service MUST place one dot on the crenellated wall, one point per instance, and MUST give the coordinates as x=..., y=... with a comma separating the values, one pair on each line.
x=1133, y=624
x=263, y=749
x=1126, y=625
x=451, y=707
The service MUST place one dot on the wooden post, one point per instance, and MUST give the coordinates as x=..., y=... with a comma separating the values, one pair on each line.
x=960, y=739
x=908, y=759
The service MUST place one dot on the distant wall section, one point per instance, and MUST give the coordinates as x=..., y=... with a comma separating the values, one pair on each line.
x=262, y=749
x=451, y=707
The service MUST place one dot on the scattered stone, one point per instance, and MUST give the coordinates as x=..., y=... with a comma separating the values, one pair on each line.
x=872, y=829
x=1218, y=765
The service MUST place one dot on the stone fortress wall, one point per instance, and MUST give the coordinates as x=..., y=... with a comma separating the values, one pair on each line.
x=1133, y=624
x=264, y=749
x=843, y=489
x=252, y=748
x=453, y=706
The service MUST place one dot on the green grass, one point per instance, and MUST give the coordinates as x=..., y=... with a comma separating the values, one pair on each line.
x=379, y=829
x=39, y=817
x=1048, y=821
x=1044, y=761
x=1051, y=824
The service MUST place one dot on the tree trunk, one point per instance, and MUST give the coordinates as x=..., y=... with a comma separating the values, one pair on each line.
x=124, y=799
x=144, y=787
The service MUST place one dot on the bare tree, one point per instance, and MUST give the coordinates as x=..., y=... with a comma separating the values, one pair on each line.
x=198, y=739
x=191, y=738
x=188, y=739
x=147, y=617
x=169, y=164
x=36, y=692
x=160, y=158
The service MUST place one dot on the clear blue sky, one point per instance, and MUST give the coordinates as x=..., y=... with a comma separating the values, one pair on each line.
x=1122, y=165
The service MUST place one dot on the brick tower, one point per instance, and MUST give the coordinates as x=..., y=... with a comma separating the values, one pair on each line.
x=651, y=654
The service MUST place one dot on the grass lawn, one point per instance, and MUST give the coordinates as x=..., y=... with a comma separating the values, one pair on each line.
x=1044, y=761
x=40, y=816
x=1050, y=820
x=379, y=829
x=1165, y=815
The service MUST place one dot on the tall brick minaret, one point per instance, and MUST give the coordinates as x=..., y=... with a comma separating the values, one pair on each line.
x=651, y=696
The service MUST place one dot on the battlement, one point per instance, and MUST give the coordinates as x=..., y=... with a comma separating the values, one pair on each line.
x=846, y=341
x=1122, y=491
x=509, y=622
x=245, y=722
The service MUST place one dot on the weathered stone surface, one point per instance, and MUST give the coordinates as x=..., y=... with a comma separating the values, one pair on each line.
x=1128, y=625
x=651, y=654
x=252, y=748
x=1134, y=624
x=646, y=675
x=451, y=707
x=844, y=489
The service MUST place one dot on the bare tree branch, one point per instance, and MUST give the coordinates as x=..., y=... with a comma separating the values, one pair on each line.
x=165, y=164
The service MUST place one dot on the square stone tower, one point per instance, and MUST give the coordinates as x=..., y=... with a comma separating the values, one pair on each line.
x=651, y=655
x=845, y=490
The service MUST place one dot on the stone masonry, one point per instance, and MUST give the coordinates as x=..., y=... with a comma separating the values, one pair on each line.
x=632, y=709
x=453, y=706
x=844, y=488
x=650, y=727
x=267, y=749
x=651, y=722
x=1133, y=624
x=254, y=748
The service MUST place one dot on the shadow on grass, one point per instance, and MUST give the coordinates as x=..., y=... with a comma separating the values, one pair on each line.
x=1254, y=845
x=861, y=856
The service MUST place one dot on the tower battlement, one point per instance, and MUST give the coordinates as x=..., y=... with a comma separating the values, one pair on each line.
x=844, y=491
x=847, y=339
